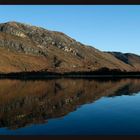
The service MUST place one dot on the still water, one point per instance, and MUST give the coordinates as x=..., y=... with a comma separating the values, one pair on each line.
x=70, y=107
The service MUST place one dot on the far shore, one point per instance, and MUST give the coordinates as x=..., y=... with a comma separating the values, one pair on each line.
x=53, y=75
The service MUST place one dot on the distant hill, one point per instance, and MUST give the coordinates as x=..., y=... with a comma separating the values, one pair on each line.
x=26, y=48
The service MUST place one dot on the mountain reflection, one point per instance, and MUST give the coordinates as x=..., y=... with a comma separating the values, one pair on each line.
x=29, y=102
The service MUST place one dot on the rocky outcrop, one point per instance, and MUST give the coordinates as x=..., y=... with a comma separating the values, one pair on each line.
x=18, y=44
x=39, y=35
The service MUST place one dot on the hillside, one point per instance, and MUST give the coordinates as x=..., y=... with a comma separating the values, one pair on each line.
x=26, y=48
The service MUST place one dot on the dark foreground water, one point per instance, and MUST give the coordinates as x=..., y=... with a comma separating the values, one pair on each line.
x=70, y=107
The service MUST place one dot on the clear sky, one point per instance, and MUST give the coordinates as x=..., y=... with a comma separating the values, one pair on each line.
x=106, y=27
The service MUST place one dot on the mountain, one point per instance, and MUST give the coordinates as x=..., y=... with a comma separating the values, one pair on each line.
x=27, y=48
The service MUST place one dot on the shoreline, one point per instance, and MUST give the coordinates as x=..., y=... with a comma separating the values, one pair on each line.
x=52, y=75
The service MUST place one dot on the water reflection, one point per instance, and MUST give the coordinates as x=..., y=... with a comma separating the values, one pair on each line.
x=33, y=102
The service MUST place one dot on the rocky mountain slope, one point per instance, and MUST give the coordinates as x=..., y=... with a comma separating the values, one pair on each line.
x=28, y=48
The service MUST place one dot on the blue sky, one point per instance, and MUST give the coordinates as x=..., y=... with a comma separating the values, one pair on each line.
x=106, y=27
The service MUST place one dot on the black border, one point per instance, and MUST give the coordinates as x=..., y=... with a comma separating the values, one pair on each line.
x=68, y=2
x=70, y=137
